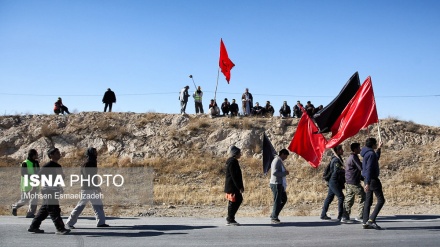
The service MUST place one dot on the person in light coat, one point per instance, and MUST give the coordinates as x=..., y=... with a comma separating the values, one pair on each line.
x=278, y=184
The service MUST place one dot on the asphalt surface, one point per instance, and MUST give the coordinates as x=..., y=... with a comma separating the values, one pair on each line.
x=399, y=230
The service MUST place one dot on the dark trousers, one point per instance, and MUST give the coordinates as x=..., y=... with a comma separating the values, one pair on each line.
x=62, y=110
x=279, y=199
x=234, y=206
x=50, y=207
x=109, y=105
x=334, y=189
x=225, y=111
x=376, y=188
x=199, y=107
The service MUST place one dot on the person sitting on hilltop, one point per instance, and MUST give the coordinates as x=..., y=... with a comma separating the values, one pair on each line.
x=297, y=109
x=269, y=109
x=225, y=107
x=257, y=110
x=234, y=108
x=317, y=109
x=60, y=108
x=285, y=110
x=213, y=109
x=310, y=108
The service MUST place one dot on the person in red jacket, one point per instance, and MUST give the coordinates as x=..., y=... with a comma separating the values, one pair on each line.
x=60, y=108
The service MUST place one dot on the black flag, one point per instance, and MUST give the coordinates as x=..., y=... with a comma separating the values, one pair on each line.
x=327, y=116
x=268, y=153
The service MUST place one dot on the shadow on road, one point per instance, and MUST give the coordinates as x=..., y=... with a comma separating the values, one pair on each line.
x=135, y=230
x=106, y=218
x=408, y=217
x=299, y=224
x=436, y=228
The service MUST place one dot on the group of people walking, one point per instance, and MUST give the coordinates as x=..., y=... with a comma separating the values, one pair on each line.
x=340, y=176
x=50, y=205
x=349, y=176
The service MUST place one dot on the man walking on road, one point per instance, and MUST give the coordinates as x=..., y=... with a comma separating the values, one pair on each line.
x=278, y=184
x=370, y=171
x=51, y=205
x=29, y=167
x=353, y=187
x=233, y=185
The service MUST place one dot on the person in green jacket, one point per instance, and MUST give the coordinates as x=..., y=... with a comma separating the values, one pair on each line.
x=28, y=193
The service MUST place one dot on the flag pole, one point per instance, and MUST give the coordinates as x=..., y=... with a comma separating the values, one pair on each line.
x=378, y=120
x=190, y=76
x=378, y=130
x=215, y=93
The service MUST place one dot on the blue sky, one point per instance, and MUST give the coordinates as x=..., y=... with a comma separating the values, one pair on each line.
x=283, y=50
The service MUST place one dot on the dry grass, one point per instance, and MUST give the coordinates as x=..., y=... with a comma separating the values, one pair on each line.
x=48, y=131
x=245, y=123
x=198, y=123
x=147, y=118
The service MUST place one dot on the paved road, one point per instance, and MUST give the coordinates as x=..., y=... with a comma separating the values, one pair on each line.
x=401, y=230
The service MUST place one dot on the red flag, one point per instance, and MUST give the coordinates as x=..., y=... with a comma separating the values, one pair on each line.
x=358, y=114
x=306, y=142
x=224, y=62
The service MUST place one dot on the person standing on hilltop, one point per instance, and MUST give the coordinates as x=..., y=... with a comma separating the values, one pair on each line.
x=247, y=102
x=233, y=185
x=183, y=97
x=29, y=167
x=108, y=99
x=278, y=184
x=198, y=94
x=372, y=184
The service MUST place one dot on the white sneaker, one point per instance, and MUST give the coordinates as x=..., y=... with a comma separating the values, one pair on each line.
x=67, y=226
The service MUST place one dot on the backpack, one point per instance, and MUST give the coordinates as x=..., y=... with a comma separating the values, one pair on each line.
x=327, y=172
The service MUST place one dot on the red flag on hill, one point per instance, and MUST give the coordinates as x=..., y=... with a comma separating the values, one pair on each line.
x=360, y=113
x=224, y=62
x=306, y=142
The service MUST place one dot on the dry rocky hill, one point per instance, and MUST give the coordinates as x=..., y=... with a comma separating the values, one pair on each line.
x=187, y=153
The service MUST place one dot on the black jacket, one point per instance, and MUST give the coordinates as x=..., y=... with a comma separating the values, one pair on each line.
x=338, y=174
x=234, y=179
x=109, y=97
